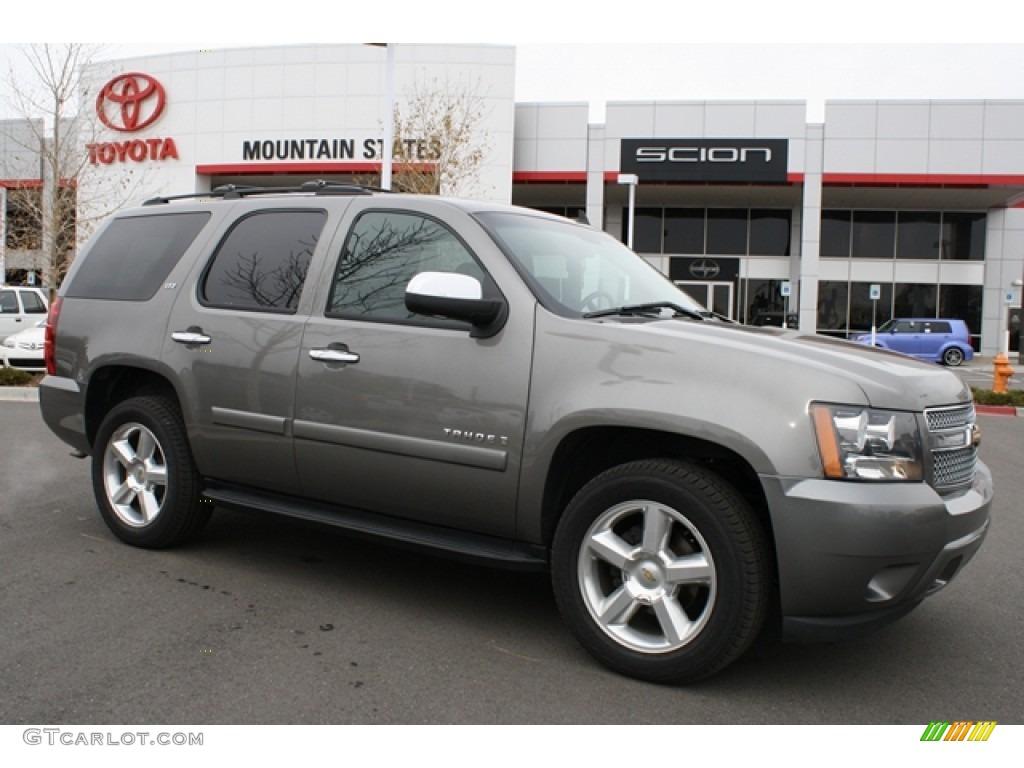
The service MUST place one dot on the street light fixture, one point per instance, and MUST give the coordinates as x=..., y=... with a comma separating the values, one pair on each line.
x=630, y=180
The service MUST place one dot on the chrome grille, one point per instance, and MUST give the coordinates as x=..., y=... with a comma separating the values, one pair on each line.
x=950, y=418
x=952, y=466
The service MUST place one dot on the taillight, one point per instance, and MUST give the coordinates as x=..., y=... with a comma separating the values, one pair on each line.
x=49, y=353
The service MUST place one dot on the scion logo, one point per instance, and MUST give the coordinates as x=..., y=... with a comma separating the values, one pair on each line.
x=703, y=154
x=705, y=269
x=702, y=159
x=130, y=102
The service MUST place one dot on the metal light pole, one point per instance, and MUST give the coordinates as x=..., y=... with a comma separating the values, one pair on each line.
x=630, y=180
x=389, y=121
x=387, y=151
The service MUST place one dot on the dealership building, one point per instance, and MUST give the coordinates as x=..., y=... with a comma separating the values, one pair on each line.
x=880, y=209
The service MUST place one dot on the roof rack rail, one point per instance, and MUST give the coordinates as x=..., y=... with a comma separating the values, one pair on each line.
x=236, y=192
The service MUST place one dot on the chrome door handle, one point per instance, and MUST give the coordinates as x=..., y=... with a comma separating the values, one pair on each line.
x=191, y=335
x=338, y=354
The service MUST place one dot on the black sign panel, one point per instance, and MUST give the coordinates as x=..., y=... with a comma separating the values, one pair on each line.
x=704, y=269
x=729, y=160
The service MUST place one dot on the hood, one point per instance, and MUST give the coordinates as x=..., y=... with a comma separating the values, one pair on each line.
x=828, y=367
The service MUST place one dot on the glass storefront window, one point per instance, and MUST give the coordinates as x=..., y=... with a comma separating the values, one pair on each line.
x=874, y=234
x=684, y=230
x=918, y=235
x=646, y=230
x=715, y=231
x=727, y=231
x=862, y=307
x=833, y=300
x=963, y=236
x=769, y=232
x=914, y=300
x=835, y=234
x=761, y=296
x=964, y=302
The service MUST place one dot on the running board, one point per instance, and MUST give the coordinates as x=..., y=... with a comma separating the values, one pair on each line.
x=489, y=550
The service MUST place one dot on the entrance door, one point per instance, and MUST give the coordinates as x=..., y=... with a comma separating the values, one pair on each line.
x=714, y=295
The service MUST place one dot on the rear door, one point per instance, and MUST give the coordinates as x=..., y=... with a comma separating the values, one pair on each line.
x=933, y=338
x=403, y=414
x=233, y=341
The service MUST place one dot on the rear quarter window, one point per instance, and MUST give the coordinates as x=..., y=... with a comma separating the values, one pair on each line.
x=132, y=257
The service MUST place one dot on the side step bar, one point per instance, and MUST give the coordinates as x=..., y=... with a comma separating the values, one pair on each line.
x=488, y=550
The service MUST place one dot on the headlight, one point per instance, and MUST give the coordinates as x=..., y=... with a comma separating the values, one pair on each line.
x=857, y=443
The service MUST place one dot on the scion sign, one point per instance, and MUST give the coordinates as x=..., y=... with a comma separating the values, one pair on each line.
x=730, y=160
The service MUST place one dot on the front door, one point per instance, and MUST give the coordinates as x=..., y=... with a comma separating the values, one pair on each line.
x=402, y=414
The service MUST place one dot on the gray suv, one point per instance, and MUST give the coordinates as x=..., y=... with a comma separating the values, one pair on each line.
x=504, y=385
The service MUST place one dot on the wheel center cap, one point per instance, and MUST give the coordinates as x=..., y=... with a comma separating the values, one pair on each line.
x=139, y=474
x=646, y=579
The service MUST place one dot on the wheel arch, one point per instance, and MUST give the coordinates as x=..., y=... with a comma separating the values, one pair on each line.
x=113, y=384
x=589, y=451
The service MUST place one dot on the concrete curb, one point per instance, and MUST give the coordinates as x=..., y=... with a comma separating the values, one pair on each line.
x=999, y=410
x=23, y=394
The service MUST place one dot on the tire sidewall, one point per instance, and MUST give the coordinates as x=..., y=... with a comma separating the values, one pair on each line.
x=717, y=642
x=181, y=496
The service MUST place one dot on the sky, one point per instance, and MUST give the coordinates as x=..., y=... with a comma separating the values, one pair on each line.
x=574, y=51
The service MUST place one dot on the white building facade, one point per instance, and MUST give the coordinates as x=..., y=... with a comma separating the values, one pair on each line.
x=885, y=208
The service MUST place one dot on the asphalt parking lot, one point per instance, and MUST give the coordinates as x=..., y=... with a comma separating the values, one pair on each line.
x=266, y=621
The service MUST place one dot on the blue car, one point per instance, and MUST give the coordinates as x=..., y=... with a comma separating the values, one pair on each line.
x=939, y=340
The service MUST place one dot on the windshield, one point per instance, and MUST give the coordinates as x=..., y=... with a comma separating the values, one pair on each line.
x=576, y=270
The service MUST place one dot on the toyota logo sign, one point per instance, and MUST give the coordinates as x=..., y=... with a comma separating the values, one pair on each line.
x=130, y=102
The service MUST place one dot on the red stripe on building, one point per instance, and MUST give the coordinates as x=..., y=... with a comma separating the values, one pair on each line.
x=924, y=179
x=266, y=169
x=550, y=177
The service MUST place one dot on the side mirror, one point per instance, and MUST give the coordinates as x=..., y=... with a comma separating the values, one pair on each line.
x=456, y=297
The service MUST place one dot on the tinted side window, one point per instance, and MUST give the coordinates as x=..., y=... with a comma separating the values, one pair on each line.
x=262, y=262
x=134, y=255
x=32, y=303
x=382, y=253
x=8, y=302
x=938, y=327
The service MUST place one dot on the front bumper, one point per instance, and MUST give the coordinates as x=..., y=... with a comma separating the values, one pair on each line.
x=853, y=557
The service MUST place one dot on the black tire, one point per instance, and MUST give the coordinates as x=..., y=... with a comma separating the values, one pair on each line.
x=953, y=357
x=626, y=607
x=143, y=475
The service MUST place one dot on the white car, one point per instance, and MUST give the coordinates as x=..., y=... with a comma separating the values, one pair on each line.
x=20, y=307
x=24, y=349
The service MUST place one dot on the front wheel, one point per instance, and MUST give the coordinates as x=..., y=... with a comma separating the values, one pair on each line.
x=143, y=475
x=661, y=570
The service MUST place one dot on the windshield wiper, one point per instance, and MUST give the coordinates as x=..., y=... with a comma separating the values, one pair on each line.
x=640, y=309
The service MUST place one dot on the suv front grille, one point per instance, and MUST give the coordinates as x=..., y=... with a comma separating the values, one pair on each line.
x=950, y=437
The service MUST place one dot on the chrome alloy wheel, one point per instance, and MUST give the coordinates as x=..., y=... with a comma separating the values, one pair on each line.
x=135, y=475
x=647, y=576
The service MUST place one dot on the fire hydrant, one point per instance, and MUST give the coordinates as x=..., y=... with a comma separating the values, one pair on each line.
x=1001, y=374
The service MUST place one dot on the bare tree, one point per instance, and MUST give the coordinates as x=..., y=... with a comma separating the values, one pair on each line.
x=440, y=141
x=53, y=99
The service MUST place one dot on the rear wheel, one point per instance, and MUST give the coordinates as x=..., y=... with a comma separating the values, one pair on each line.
x=953, y=356
x=662, y=571
x=144, y=479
